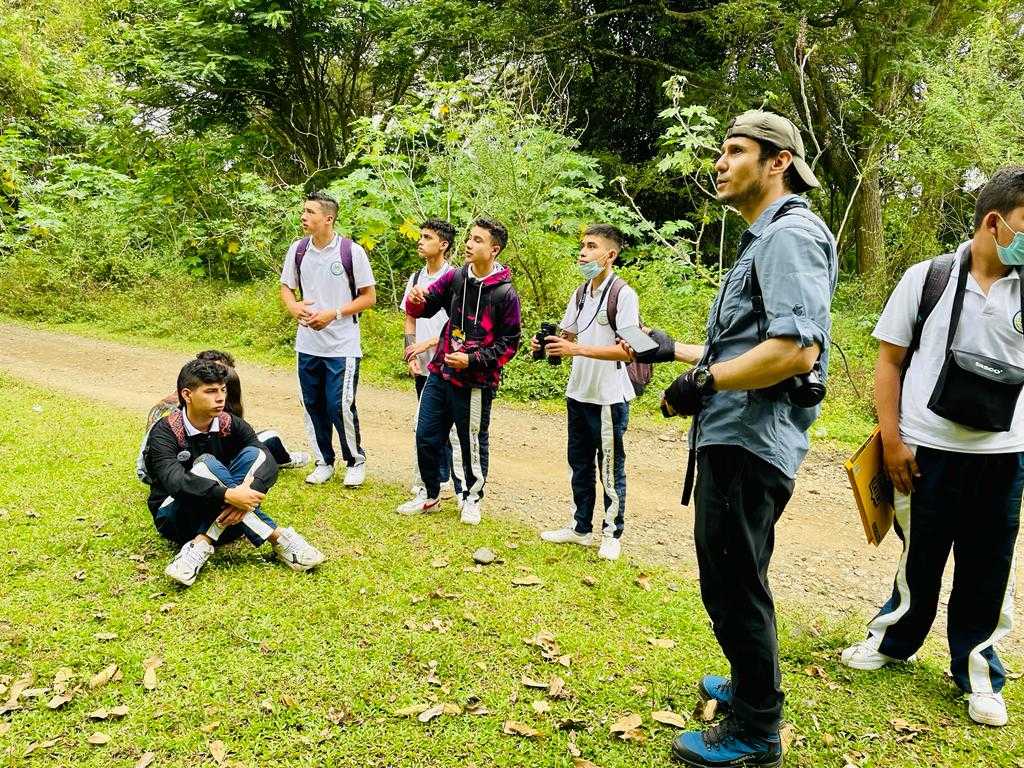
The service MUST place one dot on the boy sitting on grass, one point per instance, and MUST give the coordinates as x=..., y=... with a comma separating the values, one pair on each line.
x=209, y=475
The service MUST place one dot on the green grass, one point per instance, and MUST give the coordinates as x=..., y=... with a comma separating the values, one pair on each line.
x=259, y=658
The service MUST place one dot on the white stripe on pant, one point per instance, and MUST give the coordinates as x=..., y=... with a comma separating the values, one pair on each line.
x=475, y=415
x=978, y=668
x=879, y=625
x=348, y=411
x=607, y=468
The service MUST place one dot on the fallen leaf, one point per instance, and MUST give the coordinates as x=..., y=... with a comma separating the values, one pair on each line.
x=515, y=728
x=662, y=642
x=572, y=724
x=149, y=679
x=440, y=594
x=146, y=760
x=644, y=582
x=79, y=576
x=38, y=745
x=571, y=745
x=98, y=714
x=218, y=751
x=526, y=581
x=529, y=682
x=579, y=762
x=119, y=711
x=668, y=717
x=105, y=636
x=412, y=710
x=565, y=660
x=476, y=707
x=34, y=693
x=267, y=707
x=589, y=581
x=787, y=734
x=430, y=713
x=103, y=677
x=828, y=739
x=209, y=727
x=556, y=688
x=287, y=700
x=98, y=739
x=629, y=722
x=452, y=709
x=471, y=619
x=167, y=607
x=438, y=562
x=706, y=711
x=541, y=706
x=340, y=717
x=63, y=676
x=58, y=701
x=816, y=671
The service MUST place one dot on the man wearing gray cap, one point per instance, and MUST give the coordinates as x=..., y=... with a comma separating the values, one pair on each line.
x=753, y=394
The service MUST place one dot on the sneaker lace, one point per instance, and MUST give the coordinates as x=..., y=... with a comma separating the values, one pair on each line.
x=722, y=733
x=194, y=556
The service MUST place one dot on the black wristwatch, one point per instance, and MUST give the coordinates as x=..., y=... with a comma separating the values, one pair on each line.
x=704, y=379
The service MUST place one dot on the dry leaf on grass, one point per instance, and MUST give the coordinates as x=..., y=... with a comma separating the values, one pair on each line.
x=565, y=660
x=662, y=642
x=628, y=727
x=589, y=581
x=103, y=677
x=218, y=751
x=104, y=637
x=571, y=746
x=119, y=711
x=529, y=682
x=38, y=745
x=787, y=734
x=4, y=728
x=668, y=717
x=527, y=581
x=644, y=582
x=98, y=739
x=210, y=727
x=438, y=562
x=579, y=762
x=556, y=688
x=150, y=666
x=515, y=728
x=430, y=713
x=146, y=760
x=541, y=706
x=34, y=693
x=58, y=701
x=267, y=707
x=412, y=710
x=706, y=711
x=167, y=607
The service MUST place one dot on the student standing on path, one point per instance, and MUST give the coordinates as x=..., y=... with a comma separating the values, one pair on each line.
x=769, y=323
x=333, y=275
x=953, y=445
x=421, y=334
x=599, y=390
x=480, y=337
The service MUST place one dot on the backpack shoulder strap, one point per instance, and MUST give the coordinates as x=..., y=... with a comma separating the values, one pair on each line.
x=935, y=281
x=612, y=305
x=345, y=254
x=175, y=420
x=300, y=254
x=225, y=423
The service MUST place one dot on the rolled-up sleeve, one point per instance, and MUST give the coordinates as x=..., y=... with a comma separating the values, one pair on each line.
x=796, y=282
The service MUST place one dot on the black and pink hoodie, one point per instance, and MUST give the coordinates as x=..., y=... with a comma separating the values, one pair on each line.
x=486, y=314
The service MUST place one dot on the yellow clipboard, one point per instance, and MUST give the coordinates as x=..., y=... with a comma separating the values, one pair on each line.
x=871, y=488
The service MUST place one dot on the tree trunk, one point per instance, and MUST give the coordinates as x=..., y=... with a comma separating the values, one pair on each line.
x=870, y=235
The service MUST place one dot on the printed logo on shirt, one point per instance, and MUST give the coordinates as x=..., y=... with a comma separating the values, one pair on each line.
x=602, y=318
x=336, y=268
x=1018, y=325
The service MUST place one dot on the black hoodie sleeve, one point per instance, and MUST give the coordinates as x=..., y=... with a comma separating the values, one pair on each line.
x=169, y=474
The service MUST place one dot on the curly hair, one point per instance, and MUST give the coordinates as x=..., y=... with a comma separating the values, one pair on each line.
x=195, y=373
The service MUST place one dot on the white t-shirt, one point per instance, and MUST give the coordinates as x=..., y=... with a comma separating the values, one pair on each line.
x=426, y=327
x=325, y=282
x=989, y=325
x=602, y=382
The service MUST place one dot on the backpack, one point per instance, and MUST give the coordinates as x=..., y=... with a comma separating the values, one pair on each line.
x=345, y=254
x=935, y=282
x=175, y=419
x=640, y=374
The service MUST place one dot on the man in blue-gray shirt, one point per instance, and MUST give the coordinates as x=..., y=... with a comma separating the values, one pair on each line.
x=753, y=395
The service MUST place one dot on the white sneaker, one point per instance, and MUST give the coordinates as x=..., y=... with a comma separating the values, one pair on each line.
x=297, y=553
x=419, y=504
x=355, y=475
x=190, y=559
x=470, y=512
x=865, y=656
x=568, y=535
x=610, y=549
x=297, y=459
x=987, y=708
x=321, y=474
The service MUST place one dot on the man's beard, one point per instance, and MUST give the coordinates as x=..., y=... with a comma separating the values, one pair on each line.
x=753, y=192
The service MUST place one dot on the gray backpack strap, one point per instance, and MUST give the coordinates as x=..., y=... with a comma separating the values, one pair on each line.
x=935, y=282
x=300, y=254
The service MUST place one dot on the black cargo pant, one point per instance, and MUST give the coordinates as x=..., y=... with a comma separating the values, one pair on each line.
x=739, y=497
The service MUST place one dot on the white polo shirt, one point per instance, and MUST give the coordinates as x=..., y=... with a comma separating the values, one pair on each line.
x=426, y=327
x=601, y=382
x=989, y=325
x=325, y=282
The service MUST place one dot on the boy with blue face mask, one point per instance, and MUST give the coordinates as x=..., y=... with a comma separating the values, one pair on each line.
x=953, y=447
x=599, y=390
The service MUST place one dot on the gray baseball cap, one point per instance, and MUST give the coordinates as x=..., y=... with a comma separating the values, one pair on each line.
x=768, y=126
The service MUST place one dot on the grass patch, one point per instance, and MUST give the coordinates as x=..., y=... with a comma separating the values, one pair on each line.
x=261, y=659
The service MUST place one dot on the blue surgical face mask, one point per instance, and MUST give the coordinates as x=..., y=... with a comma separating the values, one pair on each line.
x=1011, y=255
x=590, y=269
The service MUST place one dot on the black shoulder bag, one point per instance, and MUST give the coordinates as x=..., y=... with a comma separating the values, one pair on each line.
x=974, y=390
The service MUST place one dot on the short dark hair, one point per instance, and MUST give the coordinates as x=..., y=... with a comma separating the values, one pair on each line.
x=327, y=203
x=443, y=229
x=790, y=179
x=496, y=229
x=608, y=232
x=217, y=356
x=197, y=372
x=1003, y=193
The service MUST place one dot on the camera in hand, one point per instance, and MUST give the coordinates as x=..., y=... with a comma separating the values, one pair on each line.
x=546, y=329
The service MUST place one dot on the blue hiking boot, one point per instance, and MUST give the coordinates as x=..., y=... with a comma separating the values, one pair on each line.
x=726, y=745
x=715, y=687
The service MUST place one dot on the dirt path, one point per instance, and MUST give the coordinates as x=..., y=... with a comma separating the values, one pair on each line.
x=821, y=560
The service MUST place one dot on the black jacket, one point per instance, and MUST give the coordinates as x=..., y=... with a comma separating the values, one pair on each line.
x=168, y=466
